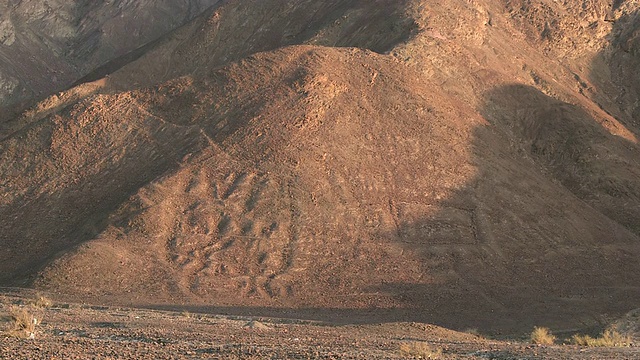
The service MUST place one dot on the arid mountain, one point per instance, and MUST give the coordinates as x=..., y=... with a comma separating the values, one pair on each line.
x=465, y=163
x=46, y=46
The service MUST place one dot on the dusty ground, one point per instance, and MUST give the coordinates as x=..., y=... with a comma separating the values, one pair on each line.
x=69, y=331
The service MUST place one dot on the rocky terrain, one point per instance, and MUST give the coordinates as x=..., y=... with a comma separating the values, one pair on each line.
x=45, y=46
x=465, y=163
x=68, y=330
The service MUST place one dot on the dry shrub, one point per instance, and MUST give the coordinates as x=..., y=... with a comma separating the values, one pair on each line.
x=542, y=336
x=42, y=302
x=420, y=350
x=23, y=323
x=610, y=338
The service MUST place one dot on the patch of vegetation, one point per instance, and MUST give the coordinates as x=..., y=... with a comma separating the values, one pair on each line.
x=42, y=302
x=542, y=336
x=22, y=323
x=610, y=338
x=420, y=350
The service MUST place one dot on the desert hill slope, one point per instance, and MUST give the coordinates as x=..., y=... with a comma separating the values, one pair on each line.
x=468, y=163
x=46, y=46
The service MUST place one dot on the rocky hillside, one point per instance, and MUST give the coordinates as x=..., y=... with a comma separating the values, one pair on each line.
x=45, y=46
x=466, y=163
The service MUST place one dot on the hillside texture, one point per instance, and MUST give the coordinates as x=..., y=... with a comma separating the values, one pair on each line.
x=45, y=46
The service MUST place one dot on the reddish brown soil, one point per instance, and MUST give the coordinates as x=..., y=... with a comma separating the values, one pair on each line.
x=364, y=159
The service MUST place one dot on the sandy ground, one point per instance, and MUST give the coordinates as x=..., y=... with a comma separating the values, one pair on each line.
x=82, y=331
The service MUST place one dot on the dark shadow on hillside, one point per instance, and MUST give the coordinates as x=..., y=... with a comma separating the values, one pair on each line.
x=40, y=226
x=334, y=316
x=51, y=51
x=598, y=167
x=119, y=62
x=614, y=71
x=537, y=238
x=385, y=25
x=336, y=23
x=613, y=184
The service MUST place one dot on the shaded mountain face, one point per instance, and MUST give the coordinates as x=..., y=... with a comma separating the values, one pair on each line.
x=456, y=162
x=614, y=70
x=45, y=46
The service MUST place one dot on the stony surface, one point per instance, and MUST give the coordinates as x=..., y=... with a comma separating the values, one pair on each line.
x=80, y=331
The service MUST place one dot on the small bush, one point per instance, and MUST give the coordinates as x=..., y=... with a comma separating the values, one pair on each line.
x=420, y=350
x=542, y=336
x=610, y=338
x=42, y=302
x=23, y=323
